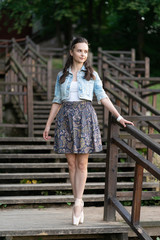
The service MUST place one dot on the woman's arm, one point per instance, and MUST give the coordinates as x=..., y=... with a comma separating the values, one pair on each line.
x=109, y=105
x=53, y=112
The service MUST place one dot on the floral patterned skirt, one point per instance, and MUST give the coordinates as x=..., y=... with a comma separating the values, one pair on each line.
x=76, y=129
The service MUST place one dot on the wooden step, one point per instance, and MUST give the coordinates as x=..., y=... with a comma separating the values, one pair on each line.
x=123, y=196
x=26, y=147
x=45, y=156
x=16, y=140
x=52, y=175
x=67, y=186
x=55, y=223
x=58, y=165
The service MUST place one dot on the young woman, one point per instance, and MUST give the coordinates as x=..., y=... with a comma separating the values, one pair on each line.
x=76, y=127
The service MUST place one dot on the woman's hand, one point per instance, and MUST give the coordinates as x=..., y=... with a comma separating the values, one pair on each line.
x=124, y=122
x=45, y=134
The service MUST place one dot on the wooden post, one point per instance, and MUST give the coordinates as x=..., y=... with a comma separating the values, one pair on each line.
x=64, y=55
x=64, y=59
x=130, y=107
x=25, y=100
x=133, y=57
x=111, y=171
x=1, y=110
x=30, y=105
x=90, y=58
x=38, y=48
x=106, y=85
x=100, y=61
x=137, y=193
x=147, y=75
x=133, y=54
x=147, y=67
x=49, y=81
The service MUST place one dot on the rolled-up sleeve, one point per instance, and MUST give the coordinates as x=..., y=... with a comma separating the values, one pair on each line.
x=98, y=88
x=57, y=92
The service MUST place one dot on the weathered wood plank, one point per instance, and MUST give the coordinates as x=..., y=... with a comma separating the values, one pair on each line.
x=122, y=196
x=58, y=165
x=44, y=156
x=56, y=221
x=67, y=186
x=137, y=193
x=60, y=175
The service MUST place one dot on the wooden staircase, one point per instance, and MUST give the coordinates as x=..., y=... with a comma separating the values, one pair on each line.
x=32, y=173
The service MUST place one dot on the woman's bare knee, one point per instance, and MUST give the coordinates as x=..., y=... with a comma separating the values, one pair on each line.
x=82, y=162
x=71, y=159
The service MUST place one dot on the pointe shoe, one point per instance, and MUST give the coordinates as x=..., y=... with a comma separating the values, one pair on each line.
x=82, y=214
x=80, y=218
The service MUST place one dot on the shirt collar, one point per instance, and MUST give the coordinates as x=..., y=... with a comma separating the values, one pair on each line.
x=83, y=68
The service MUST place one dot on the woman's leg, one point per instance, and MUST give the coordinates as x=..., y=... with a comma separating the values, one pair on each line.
x=71, y=159
x=77, y=164
x=80, y=178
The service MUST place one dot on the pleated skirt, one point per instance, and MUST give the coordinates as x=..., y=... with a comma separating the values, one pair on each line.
x=76, y=129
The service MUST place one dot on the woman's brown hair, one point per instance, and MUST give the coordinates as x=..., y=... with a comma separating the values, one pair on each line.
x=89, y=70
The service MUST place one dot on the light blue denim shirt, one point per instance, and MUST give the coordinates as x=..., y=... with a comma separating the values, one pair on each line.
x=86, y=88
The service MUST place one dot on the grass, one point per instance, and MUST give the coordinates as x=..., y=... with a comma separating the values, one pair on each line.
x=57, y=63
x=157, y=86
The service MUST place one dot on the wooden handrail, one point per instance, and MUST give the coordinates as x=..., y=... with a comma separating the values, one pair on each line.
x=15, y=44
x=21, y=90
x=19, y=67
x=118, y=68
x=132, y=95
x=111, y=202
x=42, y=59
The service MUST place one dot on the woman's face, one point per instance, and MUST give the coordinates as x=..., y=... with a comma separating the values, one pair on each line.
x=80, y=52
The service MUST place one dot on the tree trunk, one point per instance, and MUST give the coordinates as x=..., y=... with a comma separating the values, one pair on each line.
x=58, y=34
x=68, y=31
x=140, y=36
x=90, y=19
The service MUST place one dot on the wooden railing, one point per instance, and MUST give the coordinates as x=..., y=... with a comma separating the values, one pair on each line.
x=17, y=89
x=6, y=45
x=120, y=62
x=125, y=71
x=40, y=69
x=111, y=203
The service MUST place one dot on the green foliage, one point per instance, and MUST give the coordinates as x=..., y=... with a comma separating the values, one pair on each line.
x=59, y=192
x=127, y=203
x=57, y=63
x=156, y=198
x=142, y=151
x=155, y=201
x=116, y=25
x=122, y=160
x=69, y=203
x=28, y=181
x=68, y=9
x=44, y=193
x=3, y=205
x=40, y=206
